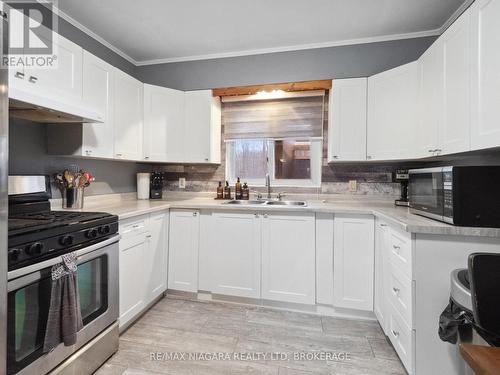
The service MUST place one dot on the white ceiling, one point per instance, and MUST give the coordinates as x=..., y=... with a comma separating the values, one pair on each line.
x=152, y=31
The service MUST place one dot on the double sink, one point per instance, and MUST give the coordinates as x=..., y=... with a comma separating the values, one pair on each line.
x=263, y=202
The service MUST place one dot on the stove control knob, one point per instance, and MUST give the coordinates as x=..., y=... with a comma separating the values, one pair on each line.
x=34, y=249
x=14, y=254
x=66, y=240
x=105, y=229
x=91, y=233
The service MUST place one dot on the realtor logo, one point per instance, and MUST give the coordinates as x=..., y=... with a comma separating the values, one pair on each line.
x=32, y=33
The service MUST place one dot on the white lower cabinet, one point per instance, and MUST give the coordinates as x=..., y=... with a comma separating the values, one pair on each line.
x=234, y=254
x=143, y=252
x=380, y=303
x=353, y=262
x=288, y=257
x=184, y=238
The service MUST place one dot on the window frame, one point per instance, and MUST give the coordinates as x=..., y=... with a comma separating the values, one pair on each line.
x=316, y=149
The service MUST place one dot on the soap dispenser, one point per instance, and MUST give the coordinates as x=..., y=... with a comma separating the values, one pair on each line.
x=220, y=191
x=237, y=189
x=227, y=191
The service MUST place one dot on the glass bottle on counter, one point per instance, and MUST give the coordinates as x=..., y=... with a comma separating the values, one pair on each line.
x=227, y=191
x=245, y=192
x=220, y=191
x=237, y=189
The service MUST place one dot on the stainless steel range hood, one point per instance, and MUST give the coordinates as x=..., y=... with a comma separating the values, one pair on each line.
x=35, y=108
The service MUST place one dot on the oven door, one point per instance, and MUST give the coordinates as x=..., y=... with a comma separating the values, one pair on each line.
x=426, y=192
x=29, y=291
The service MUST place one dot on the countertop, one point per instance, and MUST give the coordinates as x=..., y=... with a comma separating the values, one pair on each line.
x=126, y=206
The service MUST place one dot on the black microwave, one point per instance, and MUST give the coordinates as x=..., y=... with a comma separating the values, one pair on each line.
x=465, y=196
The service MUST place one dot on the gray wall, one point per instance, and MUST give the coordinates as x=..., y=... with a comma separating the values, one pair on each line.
x=28, y=155
x=93, y=46
x=323, y=63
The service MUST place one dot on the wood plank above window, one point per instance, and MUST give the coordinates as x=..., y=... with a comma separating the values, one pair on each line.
x=290, y=86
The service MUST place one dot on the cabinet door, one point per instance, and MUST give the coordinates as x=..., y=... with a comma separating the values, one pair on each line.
x=382, y=269
x=183, y=250
x=454, y=132
x=155, y=271
x=128, y=108
x=347, y=120
x=235, y=254
x=288, y=257
x=430, y=68
x=201, y=127
x=485, y=127
x=98, y=95
x=163, y=124
x=392, y=113
x=132, y=251
x=353, y=262
x=63, y=83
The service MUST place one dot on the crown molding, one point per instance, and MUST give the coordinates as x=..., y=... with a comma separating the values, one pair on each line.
x=299, y=47
x=95, y=36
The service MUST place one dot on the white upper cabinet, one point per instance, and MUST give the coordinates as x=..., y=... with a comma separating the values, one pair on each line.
x=392, y=113
x=430, y=69
x=485, y=126
x=353, y=262
x=202, y=127
x=454, y=130
x=128, y=116
x=163, y=124
x=98, y=95
x=288, y=257
x=347, y=120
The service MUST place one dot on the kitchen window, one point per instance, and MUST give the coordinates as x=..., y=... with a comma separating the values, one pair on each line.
x=280, y=136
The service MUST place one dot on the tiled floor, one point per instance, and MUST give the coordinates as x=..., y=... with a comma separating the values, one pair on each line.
x=175, y=325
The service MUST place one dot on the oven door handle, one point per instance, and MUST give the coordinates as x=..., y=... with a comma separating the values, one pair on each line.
x=50, y=262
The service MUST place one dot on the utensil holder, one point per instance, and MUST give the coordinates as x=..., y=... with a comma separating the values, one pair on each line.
x=72, y=197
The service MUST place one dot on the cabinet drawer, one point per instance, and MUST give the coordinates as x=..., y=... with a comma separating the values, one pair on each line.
x=133, y=227
x=402, y=338
x=400, y=251
x=400, y=294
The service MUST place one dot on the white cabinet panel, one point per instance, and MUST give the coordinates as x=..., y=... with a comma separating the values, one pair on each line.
x=353, y=262
x=154, y=260
x=454, y=132
x=347, y=120
x=234, y=254
x=163, y=124
x=63, y=83
x=183, y=250
x=392, y=113
x=288, y=261
x=324, y=258
x=202, y=127
x=128, y=117
x=382, y=270
x=98, y=95
x=485, y=126
x=430, y=66
x=132, y=250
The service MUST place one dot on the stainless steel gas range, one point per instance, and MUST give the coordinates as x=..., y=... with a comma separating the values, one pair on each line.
x=37, y=239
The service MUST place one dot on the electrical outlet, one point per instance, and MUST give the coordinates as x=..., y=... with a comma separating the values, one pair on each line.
x=182, y=182
x=353, y=186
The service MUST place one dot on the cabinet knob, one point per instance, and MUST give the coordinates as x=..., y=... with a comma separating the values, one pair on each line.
x=118, y=155
x=335, y=156
x=195, y=213
x=368, y=157
x=383, y=225
x=19, y=75
x=206, y=159
x=146, y=157
x=33, y=79
x=265, y=216
x=148, y=236
x=395, y=290
x=395, y=333
x=256, y=215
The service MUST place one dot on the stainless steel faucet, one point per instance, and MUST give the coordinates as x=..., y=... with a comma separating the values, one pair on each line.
x=268, y=185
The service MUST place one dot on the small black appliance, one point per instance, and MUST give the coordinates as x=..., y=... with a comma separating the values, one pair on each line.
x=156, y=185
x=401, y=176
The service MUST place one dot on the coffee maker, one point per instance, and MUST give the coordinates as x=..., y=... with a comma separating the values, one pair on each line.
x=156, y=185
x=401, y=176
